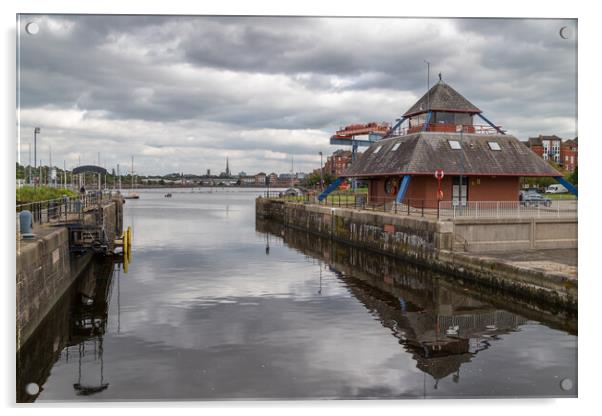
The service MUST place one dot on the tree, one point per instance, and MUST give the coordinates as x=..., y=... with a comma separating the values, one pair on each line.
x=20, y=171
x=573, y=177
x=313, y=179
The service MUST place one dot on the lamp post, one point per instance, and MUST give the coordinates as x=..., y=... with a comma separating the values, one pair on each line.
x=36, y=131
x=321, y=174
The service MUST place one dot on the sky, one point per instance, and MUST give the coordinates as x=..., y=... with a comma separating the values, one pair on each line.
x=182, y=93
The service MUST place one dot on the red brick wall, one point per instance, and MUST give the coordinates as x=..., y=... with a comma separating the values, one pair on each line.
x=424, y=188
x=566, y=153
x=376, y=192
x=489, y=188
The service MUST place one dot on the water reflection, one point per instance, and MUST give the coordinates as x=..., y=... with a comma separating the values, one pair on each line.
x=217, y=306
x=443, y=324
x=73, y=330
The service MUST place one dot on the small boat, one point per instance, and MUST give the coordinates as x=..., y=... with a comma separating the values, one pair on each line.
x=132, y=194
x=168, y=195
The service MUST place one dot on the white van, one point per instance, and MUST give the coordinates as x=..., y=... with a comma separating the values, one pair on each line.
x=556, y=189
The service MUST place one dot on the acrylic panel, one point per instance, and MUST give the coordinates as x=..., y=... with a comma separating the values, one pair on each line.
x=241, y=207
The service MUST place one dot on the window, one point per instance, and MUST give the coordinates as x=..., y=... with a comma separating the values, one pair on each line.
x=395, y=146
x=464, y=119
x=377, y=150
x=494, y=146
x=454, y=144
x=444, y=117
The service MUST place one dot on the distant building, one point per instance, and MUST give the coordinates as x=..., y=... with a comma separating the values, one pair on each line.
x=338, y=162
x=568, y=154
x=552, y=148
x=288, y=179
x=272, y=179
x=260, y=179
x=246, y=180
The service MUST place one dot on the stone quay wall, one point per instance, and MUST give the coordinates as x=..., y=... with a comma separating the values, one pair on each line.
x=427, y=242
x=46, y=269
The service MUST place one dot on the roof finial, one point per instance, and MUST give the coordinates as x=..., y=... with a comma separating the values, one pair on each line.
x=440, y=77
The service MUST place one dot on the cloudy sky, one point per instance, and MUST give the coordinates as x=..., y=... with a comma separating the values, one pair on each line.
x=182, y=93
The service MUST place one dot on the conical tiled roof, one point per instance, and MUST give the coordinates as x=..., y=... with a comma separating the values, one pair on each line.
x=442, y=97
x=423, y=153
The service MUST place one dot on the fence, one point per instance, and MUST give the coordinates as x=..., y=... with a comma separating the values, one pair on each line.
x=441, y=209
x=60, y=208
x=509, y=209
x=415, y=207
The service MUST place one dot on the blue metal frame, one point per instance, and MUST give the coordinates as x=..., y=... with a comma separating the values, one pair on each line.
x=403, y=188
x=490, y=123
x=392, y=129
x=348, y=142
x=566, y=184
x=427, y=120
x=331, y=188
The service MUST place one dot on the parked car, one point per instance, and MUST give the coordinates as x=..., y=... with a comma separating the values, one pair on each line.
x=556, y=189
x=534, y=199
x=293, y=192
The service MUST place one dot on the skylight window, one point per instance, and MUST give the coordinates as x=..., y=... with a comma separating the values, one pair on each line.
x=454, y=144
x=377, y=150
x=395, y=146
x=494, y=146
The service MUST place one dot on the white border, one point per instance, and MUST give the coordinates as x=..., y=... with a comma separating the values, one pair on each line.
x=589, y=114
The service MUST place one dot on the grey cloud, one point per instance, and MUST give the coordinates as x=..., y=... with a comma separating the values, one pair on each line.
x=245, y=74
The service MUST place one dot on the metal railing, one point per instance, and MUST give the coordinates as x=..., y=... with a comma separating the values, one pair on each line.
x=509, y=209
x=408, y=207
x=440, y=209
x=60, y=208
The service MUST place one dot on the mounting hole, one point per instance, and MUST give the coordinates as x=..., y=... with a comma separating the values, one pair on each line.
x=32, y=389
x=566, y=384
x=565, y=32
x=32, y=28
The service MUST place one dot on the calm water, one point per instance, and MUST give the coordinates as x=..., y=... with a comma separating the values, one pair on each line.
x=217, y=306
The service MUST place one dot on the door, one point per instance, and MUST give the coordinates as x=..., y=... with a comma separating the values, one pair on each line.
x=459, y=192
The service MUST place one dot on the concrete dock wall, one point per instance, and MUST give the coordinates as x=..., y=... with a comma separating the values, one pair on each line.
x=483, y=235
x=46, y=269
x=435, y=244
x=389, y=233
x=44, y=272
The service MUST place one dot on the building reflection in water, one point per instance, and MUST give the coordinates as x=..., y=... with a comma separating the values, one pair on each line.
x=441, y=323
x=74, y=329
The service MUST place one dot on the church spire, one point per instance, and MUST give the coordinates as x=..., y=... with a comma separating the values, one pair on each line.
x=227, y=167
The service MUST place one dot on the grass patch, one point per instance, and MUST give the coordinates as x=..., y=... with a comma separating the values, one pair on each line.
x=27, y=194
x=559, y=196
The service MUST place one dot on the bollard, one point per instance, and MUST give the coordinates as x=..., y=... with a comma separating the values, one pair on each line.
x=26, y=224
x=124, y=240
x=51, y=210
x=66, y=205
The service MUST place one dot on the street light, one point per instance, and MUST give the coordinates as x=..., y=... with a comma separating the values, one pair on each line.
x=36, y=131
x=321, y=174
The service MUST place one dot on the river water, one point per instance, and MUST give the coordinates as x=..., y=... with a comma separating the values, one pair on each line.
x=217, y=305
